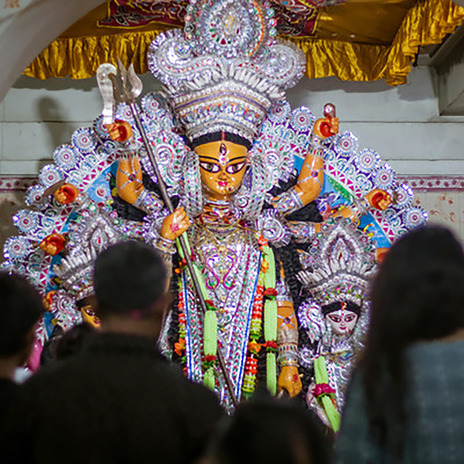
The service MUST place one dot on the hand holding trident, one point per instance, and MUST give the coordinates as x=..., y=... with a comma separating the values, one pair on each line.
x=119, y=85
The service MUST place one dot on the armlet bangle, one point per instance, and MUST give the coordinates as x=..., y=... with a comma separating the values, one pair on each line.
x=287, y=202
x=164, y=245
x=148, y=202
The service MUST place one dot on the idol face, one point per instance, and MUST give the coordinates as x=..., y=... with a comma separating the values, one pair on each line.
x=342, y=321
x=89, y=316
x=222, y=167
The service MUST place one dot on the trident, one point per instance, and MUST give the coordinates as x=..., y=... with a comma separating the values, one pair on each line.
x=124, y=86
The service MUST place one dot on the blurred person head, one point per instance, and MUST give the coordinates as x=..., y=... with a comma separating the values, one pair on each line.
x=63, y=344
x=68, y=343
x=21, y=307
x=270, y=431
x=418, y=295
x=130, y=283
x=73, y=340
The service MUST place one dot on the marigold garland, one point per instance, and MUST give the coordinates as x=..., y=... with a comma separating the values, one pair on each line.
x=264, y=304
x=254, y=347
x=179, y=346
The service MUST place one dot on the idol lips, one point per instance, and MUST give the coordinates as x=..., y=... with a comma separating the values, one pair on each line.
x=222, y=183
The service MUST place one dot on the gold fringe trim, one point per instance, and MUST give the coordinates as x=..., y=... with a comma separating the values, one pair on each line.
x=80, y=57
x=426, y=23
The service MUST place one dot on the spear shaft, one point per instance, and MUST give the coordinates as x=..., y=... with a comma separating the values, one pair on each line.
x=182, y=241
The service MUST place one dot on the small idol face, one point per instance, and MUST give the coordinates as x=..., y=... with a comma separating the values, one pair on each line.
x=89, y=316
x=342, y=321
x=222, y=167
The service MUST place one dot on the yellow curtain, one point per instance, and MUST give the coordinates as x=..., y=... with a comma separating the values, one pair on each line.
x=80, y=57
x=425, y=23
x=346, y=60
x=428, y=22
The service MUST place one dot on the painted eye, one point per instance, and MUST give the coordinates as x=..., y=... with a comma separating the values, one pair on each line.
x=209, y=167
x=234, y=168
x=89, y=310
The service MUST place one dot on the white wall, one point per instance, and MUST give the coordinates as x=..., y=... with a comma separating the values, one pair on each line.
x=402, y=123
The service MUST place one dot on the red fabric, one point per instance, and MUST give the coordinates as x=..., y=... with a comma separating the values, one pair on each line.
x=294, y=17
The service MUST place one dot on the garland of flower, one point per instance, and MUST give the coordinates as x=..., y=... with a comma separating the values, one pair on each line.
x=179, y=346
x=264, y=302
x=254, y=347
x=209, y=327
x=210, y=345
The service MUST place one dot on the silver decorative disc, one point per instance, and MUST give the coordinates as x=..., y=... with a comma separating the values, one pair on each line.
x=229, y=28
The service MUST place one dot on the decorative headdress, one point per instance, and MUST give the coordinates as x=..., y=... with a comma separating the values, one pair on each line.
x=224, y=71
x=352, y=172
x=75, y=270
x=339, y=264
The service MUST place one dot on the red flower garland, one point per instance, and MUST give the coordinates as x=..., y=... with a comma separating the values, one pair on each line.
x=323, y=389
x=179, y=346
x=251, y=364
x=271, y=346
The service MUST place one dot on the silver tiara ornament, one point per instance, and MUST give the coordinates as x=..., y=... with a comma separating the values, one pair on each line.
x=224, y=71
x=92, y=236
x=340, y=264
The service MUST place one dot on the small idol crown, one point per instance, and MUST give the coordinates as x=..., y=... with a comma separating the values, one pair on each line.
x=76, y=269
x=341, y=263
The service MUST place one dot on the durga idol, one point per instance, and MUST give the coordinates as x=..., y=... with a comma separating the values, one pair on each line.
x=234, y=180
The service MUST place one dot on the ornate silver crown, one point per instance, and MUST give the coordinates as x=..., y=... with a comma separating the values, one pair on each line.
x=339, y=265
x=224, y=71
x=92, y=237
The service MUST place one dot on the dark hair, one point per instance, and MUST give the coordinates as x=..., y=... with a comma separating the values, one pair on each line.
x=48, y=353
x=63, y=344
x=272, y=431
x=21, y=307
x=73, y=340
x=128, y=276
x=418, y=294
x=217, y=136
